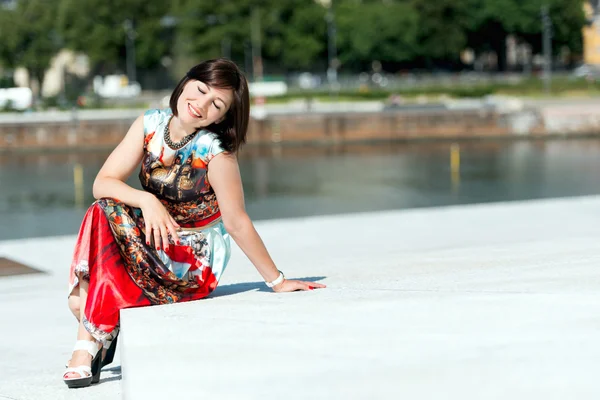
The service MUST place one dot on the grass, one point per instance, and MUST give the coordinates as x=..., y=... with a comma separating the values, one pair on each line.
x=533, y=87
x=561, y=87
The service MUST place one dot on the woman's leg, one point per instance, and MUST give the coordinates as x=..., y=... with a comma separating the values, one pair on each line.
x=81, y=357
x=74, y=302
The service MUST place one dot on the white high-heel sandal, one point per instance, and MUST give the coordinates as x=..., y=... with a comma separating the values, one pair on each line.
x=87, y=375
x=106, y=358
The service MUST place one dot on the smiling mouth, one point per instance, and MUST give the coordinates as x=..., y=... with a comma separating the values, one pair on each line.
x=194, y=112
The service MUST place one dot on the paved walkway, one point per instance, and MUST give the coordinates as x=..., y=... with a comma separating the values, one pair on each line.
x=492, y=301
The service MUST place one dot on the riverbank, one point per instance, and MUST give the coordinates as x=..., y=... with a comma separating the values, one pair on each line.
x=303, y=122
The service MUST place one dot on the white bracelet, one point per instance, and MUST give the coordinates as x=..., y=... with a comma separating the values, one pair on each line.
x=277, y=281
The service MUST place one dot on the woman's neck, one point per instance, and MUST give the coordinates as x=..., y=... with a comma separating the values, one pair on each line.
x=179, y=130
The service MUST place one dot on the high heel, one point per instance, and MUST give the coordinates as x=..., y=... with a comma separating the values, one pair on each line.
x=86, y=374
x=110, y=353
x=96, y=370
x=108, y=357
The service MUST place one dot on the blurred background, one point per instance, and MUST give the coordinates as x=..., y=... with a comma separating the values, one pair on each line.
x=357, y=105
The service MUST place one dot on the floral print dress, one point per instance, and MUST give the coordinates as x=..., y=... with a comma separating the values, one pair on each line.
x=111, y=251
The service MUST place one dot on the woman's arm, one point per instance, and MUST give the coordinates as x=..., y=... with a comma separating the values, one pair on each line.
x=110, y=182
x=224, y=177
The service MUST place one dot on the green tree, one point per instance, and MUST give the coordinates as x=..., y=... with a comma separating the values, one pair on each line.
x=29, y=38
x=297, y=36
x=568, y=20
x=442, y=29
x=292, y=32
x=97, y=28
x=376, y=30
x=493, y=20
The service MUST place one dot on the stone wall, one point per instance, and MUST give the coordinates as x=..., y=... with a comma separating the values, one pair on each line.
x=285, y=129
x=348, y=127
x=62, y=135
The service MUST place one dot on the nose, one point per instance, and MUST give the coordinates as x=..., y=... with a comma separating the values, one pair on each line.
x=200, y=105
x=204, y=103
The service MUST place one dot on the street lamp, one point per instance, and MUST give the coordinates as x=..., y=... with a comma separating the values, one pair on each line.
x=333, y=62
x=213, y=20
x=257, y=65
x=170, y=21
x=130, y=49
x=547, y=47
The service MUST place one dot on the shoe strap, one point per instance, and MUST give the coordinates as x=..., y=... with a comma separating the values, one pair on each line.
x=87, y=345
x=84, y=372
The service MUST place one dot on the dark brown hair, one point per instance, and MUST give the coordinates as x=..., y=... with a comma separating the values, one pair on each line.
x=222, y=74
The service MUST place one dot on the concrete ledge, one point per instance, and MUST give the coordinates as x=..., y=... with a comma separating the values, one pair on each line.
x=494, y=301
x=490, y=301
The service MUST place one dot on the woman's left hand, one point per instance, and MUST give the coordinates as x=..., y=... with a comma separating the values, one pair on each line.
x=290, y=285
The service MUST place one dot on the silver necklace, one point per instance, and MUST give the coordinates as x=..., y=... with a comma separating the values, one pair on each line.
x=176, y=145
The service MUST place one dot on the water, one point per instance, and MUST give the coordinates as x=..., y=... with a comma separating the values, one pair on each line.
x=38, y=196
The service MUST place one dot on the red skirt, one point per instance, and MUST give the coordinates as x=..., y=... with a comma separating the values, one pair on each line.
x=123, y=272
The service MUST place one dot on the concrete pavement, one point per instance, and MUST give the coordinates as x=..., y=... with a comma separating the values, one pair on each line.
x=489, y=301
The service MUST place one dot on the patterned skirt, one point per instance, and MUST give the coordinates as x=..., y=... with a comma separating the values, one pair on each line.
x=123, y=271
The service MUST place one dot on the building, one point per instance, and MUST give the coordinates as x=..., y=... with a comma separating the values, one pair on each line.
x=591, y=33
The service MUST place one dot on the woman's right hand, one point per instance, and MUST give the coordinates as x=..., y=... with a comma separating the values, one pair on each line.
x=159, y=223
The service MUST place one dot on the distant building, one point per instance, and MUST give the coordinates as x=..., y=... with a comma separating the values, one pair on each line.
x=8, y=4
x=63, y=63
x=591, y=33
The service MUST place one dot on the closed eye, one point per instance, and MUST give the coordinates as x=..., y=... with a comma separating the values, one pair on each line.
x=203, y=92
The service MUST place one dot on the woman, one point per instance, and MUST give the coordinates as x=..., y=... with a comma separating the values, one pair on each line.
x=169, y=242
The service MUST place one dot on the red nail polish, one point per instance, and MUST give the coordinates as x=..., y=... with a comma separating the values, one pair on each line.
x=157, y=248
x=311, y=287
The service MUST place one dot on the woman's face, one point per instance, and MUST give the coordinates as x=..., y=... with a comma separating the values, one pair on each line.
x=200, y=105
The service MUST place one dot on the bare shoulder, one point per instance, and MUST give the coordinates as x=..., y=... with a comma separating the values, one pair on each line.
x=137, y=127
x=223, y=160
x=133, y=141
x=223, y=169
x=128, y=154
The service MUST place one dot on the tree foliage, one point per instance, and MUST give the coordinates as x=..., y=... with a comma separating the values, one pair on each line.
x=97, y=28
x=376, y=30
x=292, y=33
x=490, y=21
x=29, y=36
x=441, y=29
